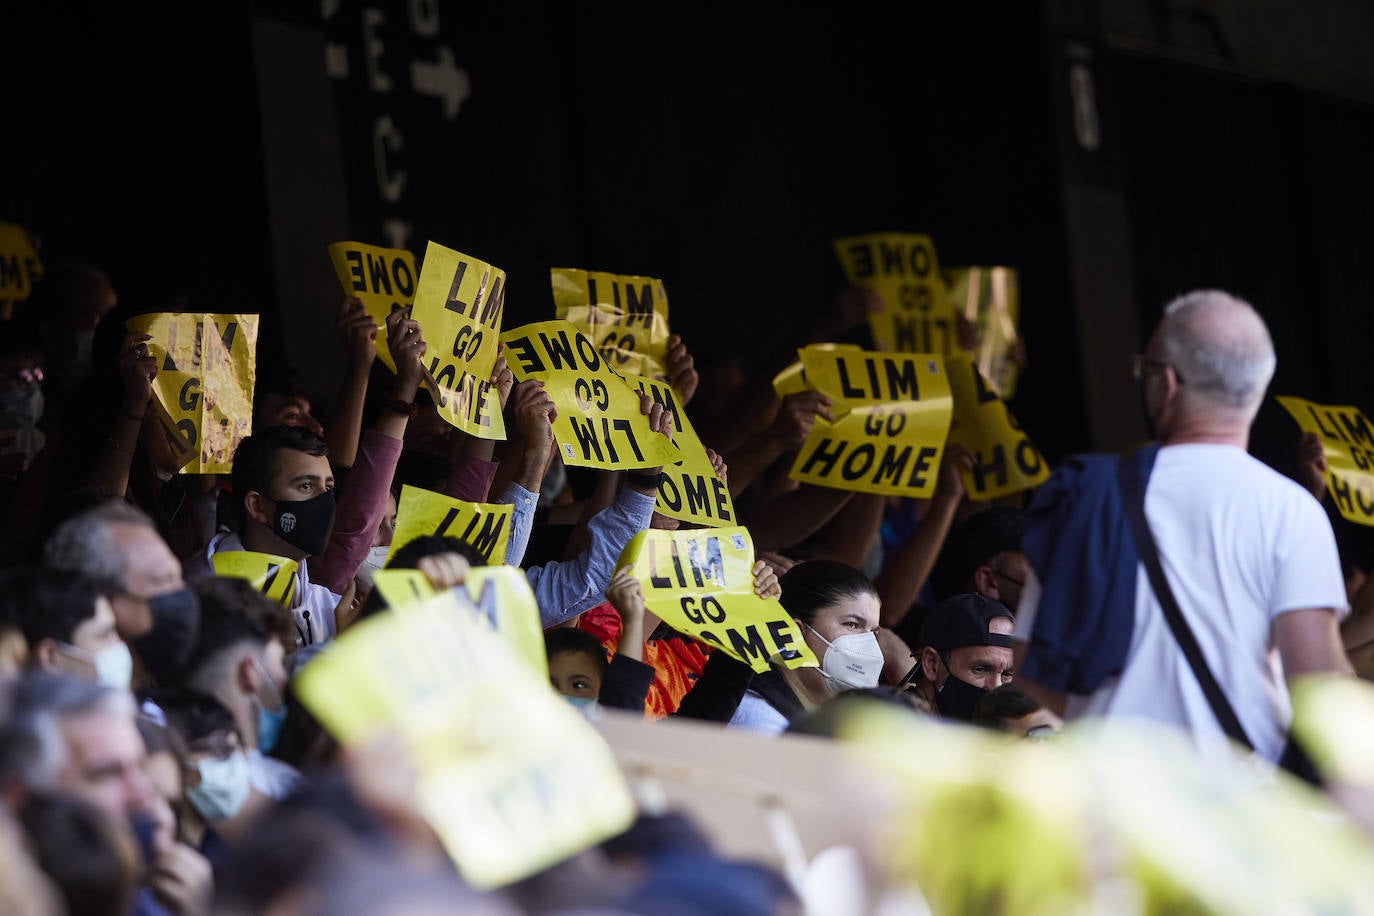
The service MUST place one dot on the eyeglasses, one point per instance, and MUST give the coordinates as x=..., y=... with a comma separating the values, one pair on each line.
x=1142, y=366
x=220, y=745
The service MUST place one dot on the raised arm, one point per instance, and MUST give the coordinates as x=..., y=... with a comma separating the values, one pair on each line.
x=358, y=332
x=109, y=470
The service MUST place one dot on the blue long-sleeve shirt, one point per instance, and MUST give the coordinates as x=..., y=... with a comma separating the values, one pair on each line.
x=565, y=589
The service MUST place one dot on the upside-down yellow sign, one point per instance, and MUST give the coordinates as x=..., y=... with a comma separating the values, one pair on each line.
x=892, y=414
x=1005, y=459
x=902, y=268
x=485, y=526
x=272, y=575
x=625, y=316
x=599, y=422
x=511, y=778
x=702, y=584
x=458, y=303
x=989, y=299
x=206, y=371
x=691, y=491
x=1348, y=440
x=383, y=278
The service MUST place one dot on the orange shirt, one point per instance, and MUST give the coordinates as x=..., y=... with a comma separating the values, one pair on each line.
x=677, y=662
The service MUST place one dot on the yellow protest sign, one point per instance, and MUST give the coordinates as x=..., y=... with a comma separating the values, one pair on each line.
x=486, y=526
x=205, y=376
x=625, y=316
x=1005, y=460
x=892, y=416
x=272, y=575
x=989, y=298
x=702, y=583
x=511, y=777
x=791, y=380
x=690, y=491
x=902, y=268
x=383, y=278
x=20, y=267
x=458, y=304
x=499, y=596
x=599, y=423
x=1348, y=441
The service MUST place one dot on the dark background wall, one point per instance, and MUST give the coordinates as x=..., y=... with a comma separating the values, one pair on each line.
x=719, y=148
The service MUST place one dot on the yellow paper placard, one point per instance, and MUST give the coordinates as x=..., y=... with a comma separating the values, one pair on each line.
x=205, y=377
x=599, y=423
x=383, y=278
x=1348, y=441
x=458, y=304
x=625, y=316
x=892, y=417
x=270, y=574
x=20, y=267
x=1005, y=460
x=902, y=268
x=691, y=491
x=702, y=583
x=989, y=297
x=486, y=526
x=511, y=777
x=498, y=596
x=791, y=380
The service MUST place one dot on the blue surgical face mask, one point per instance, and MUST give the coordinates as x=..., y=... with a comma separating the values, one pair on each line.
x=587, y=706
x=271, y=713
x=223, y=787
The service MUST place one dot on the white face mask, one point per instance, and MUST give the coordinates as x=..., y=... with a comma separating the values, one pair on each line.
x=853, y=661
x=376, y=559
x=114, y=667
x=223, y=787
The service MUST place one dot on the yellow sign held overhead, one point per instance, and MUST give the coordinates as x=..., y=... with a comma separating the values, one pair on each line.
x=690, y=491
x=599, y=423
x=702, y=584
x=1005, y=459
x=272, y=575
x=458, y=303
x=485, y=526
x=625, y=316
x=511, y=778
x=989, y=298
x=892, y=416
x=205, y=377
x=383, y=278
x=902, y=268
x=1348, y=440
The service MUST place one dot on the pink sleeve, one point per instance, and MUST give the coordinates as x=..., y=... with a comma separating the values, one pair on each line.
x=361, y=504
x=470, y=479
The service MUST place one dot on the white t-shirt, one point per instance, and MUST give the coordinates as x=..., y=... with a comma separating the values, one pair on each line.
x=1240, y=544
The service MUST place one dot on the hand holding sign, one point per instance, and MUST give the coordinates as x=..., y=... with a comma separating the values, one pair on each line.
x=682, y=373
x=797, y=416
x=359, y=332
x=137, y=369
x=407, y=345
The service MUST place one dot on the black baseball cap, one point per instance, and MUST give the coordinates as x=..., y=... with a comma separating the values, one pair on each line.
x=963, y=621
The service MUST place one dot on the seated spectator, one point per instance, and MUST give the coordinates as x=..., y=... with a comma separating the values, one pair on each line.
x=1007, y=709
x=215, y=761
x=68, y=623
x=965, y=652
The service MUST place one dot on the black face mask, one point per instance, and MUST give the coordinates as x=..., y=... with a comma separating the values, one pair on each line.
x=176, y=627
x=956, y=699
x=306, y=524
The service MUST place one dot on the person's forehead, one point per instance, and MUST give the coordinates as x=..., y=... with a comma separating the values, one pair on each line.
x=102, y=734
x=864, y=605
x=989, y=655
x=292, y=463
x=572, y=663
x=140, y=543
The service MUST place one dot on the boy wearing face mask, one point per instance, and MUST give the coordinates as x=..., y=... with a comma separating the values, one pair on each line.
x=68, y=622
x=966, y=651
x=238, y=660
x=215, y=781
x=284, y=491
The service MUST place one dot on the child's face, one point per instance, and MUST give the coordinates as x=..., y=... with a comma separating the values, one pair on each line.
x=575, y=674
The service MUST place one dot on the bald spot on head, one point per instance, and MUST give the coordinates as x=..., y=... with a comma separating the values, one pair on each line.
x=1221, y=349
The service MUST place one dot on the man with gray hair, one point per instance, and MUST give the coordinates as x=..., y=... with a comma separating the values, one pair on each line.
x=1183, y=582
x=155, y=612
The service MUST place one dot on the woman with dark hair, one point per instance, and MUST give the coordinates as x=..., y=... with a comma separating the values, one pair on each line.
x=836, y=607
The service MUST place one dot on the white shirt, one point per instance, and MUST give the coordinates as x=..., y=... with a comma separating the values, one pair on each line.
x=757, y=714
x=1240, y=544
